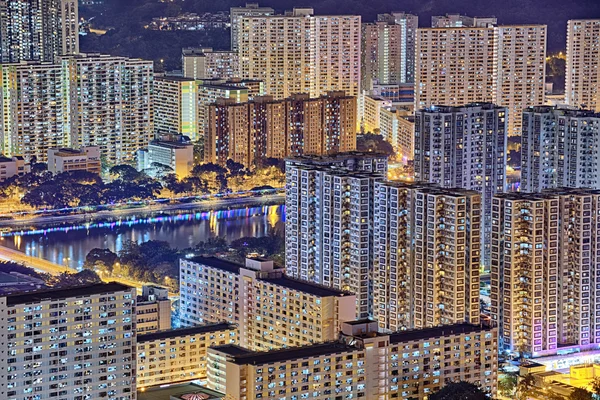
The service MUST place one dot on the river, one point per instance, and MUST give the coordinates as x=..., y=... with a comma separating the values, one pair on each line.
x=69, y=245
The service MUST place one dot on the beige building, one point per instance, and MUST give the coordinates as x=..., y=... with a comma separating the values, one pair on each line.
x=397, y=126
x=542, y=265
x=209, y=92
x=11, y=166
x=153, y=310
x=237, y=13
x=67, y=160
x=177, y=155
x=205, y=63
x=458, y=21
x=176, y=106
x=582, y=83
x=178, y=355
x=506, y=67
x=76, y=342
x=301, y=53
x=270, y=309
x=370, y=112
x=362, y=364
x=250, y=132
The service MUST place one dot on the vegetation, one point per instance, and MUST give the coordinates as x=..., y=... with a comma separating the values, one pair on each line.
x=370, y=142
x=580, y=394
x=56, y=281
x=507, y=385
x=459, y=391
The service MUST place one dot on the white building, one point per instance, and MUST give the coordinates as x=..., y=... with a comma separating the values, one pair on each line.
x=270, y=309
x=11, y=166
x=329, y=231
x=205, y=63
x=464, y=147
x=397, y=126
x=177, y=155
x=69, y=344
x=301, y=53
x=237, y=13
x=582, y=81
x=67, y=160
x=560, y=147
x=459, y=21
x=153, y=310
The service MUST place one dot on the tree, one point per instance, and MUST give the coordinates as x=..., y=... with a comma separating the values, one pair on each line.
x=507, y=384
x=525, y=386
x=580, y=394
x=235, y=168
x=124, y=172
x=374, y=143
x=459, y=391
x=596, y=386
x=103, y=259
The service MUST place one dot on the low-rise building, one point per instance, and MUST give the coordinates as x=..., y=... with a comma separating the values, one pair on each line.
x=361, y=364
x=370, y=111
x=397, y=126
x=11, y=166
x=67, y=160
x=179, y=355
x=153, y=310
x=177, y=155
x=560, y=383
x=271, y=309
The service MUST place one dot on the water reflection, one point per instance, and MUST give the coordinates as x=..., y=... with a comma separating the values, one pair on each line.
x=68, y=245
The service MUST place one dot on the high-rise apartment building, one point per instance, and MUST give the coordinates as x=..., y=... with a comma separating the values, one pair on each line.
x=459, y=21
x=237, y=13
x=464, y=147
x=85, y=100
x=543, y=269
x=426, y=256
x=301, y=53
x=205, y=63
x=270, y=309
x=388, y=50
x=175, y=102
x=153, y=310
x=362, y=364
x=209, y=92
x=329, y=222
x=582, y=74
x=38, y=30
x=560, y=147
x=264, y=127
x=506, y=67
x=69, y=344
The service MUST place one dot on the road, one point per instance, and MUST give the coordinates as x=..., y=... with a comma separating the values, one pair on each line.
x=54, y=269
x=39, y=220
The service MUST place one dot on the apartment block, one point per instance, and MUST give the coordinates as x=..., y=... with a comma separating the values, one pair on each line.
x=329, y=221
x=205, y=63
x=370, y=112
x=264, y=127
x=560, y=147
x=237, y=13
x=178, y=355
x=153, y=310
x=270, y=309
x=397, y=126
x=209, y=92
x=301, y=52
x=459, y=21
x=542, y=273
x=582, y=75
x=38, y=30
x=506, y=67
x=66, y=160
x=70, y=343
x=176, y=104
x=388, y=50
x=464, y=147
x=362, y=364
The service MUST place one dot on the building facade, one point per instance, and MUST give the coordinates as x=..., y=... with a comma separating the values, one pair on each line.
x=38, y=30
x=67, y=160
x=271, y=310
x=582, y=75
x=543, y=264
x=301, y=53
x=178, y=156
x=11, y=166
x=153, y=310
x=178, y=355
x=175, y=101
x=205, y=63
x=237, y=13
x=397, y=126
x=464, y=147
x=559, y=148
x=76, y=342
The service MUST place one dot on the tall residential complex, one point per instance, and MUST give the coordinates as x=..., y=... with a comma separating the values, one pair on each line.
x=388, y=50
x=506, y=66
x=329, y=222
x=397, y=126
x=205, y=63
x=582, y=72
x=464, y=147
x=85, y=100
x=361, y=364
x=544, y=264
x=301, y=53
x=264, y=127
x=560, y=147
x=38, y=30
x=426, y=256
x=70, y=344
x=459, y=21
x=175, y=102
x=237, y=13
x=270, y=309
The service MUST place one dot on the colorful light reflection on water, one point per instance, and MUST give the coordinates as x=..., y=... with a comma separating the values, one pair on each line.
x=68, y=245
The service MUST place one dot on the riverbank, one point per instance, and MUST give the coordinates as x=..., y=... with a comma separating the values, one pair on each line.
x=38, y=221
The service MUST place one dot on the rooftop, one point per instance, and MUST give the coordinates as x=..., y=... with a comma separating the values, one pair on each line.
x=173, y=333
x=174, y=392
x=170, y=145
x=173, y=78
x=438, y=331
x=57, y=294
x=241, y=356
x=302, y=286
